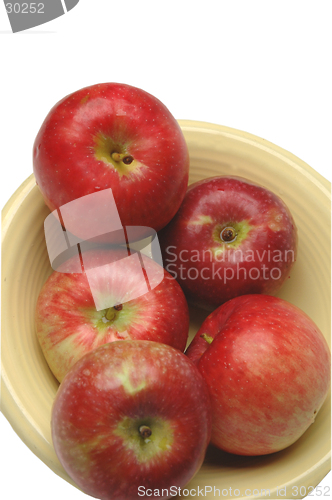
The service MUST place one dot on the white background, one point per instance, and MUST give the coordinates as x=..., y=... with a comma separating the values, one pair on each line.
x=259, y=66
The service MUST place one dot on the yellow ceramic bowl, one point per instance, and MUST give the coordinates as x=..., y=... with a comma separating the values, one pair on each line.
x=28, y=386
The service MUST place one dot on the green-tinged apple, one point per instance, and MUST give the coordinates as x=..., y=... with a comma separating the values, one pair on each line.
x=267, y=366
x=132, y=417
x=112, y=136
x=230, y=237
x=115, y=298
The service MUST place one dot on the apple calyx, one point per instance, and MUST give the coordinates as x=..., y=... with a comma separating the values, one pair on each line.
x=207, y=338
x=145, y=431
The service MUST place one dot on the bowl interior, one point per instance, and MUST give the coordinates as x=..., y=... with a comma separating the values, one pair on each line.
x=28, y=386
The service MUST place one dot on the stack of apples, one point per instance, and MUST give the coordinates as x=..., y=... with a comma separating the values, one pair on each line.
x=138, y=403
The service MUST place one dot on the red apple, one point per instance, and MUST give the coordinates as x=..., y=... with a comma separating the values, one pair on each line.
x=115, y=298
x=130, y=419
x=267, y=366
x=112, y=136
x=230, y=237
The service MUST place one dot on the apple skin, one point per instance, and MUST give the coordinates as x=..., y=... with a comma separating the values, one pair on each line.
x=212, y=271
x=105, y=399
x=68, y=324
x=72, y=154
x=267, y=366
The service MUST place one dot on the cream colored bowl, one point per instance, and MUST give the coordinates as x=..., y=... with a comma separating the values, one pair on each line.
x=28, y=386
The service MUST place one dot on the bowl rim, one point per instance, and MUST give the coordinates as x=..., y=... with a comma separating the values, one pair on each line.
x=12, y=410
x=258, y=142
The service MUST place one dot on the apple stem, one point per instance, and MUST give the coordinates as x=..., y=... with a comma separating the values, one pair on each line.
x=126, y=159
x=228, y=234
x=110, y=313
x=207, y=338
x=145, y=431
x=116, y=156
